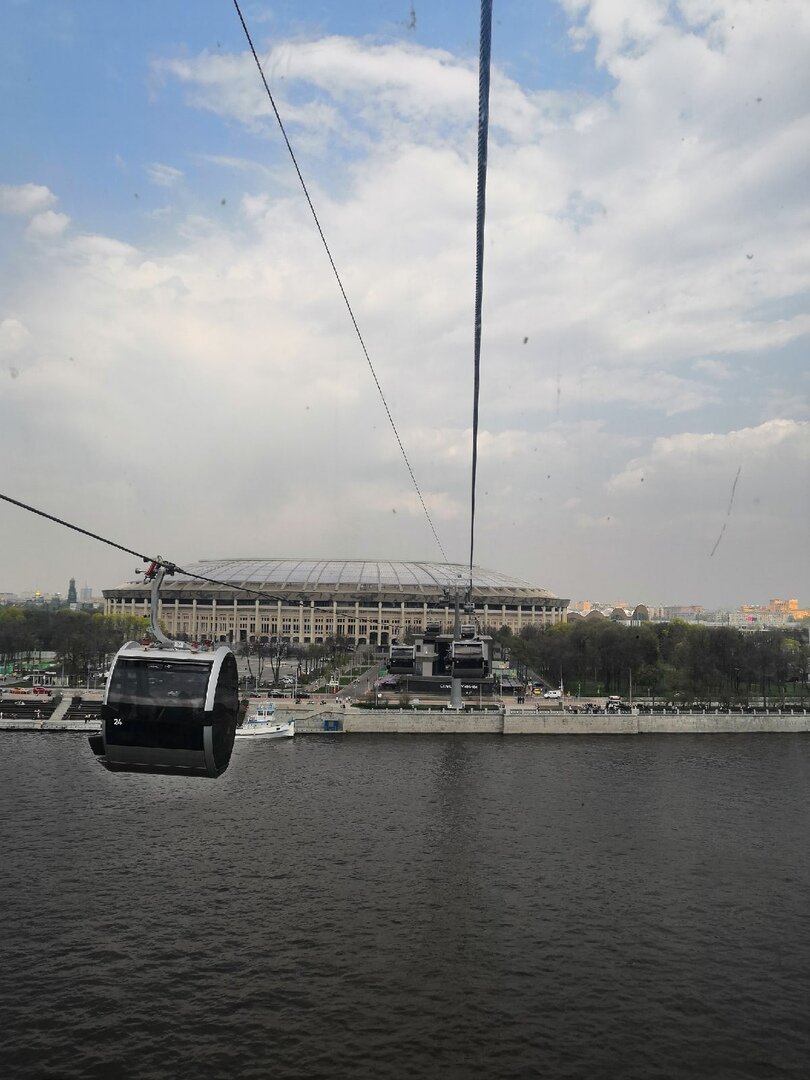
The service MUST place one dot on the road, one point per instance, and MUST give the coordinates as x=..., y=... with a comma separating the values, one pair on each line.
x=361, y=685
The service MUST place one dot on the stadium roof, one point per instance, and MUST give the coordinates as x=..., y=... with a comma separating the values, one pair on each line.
x=348, y=575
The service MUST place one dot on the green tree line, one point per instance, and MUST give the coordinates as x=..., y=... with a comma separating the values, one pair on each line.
x=664, y=661
x=82, y=642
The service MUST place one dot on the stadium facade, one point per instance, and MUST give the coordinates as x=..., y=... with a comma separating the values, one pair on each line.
x=308, y=600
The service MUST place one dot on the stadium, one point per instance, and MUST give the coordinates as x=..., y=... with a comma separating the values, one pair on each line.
x=305, y=601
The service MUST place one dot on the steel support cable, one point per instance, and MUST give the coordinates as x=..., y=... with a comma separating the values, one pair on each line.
x=337, y=275
x=170, y=567
x=481, y=207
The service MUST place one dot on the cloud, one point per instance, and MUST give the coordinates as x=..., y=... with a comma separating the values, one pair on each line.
x=391, y=85
x=25, y=199
x=771, y=444
x=716, y=369
x=246, y=165
x=47, y=224
x=13, y=336
x=164, y=175
x=631, y=348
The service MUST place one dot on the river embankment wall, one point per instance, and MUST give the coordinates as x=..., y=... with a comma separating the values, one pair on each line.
x=347, y=721
x=407, y=722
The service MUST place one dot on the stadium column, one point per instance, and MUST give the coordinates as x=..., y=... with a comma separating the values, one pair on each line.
x=256, y=621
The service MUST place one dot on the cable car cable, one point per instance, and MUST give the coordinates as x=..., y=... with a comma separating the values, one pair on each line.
x=170, y=567
x=338, y=278
x=483, y=131
x=77, y=528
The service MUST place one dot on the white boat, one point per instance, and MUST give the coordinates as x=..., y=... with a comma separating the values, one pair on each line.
x=263, y=724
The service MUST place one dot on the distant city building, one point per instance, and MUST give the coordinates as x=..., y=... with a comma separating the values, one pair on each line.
x=776, y=610
x=687, y=612
x=618, y=614
x=86, y=595
x=777, y=613
x=749, y=617
x=367, y=601
x=71, y=594
x=584, y=606
x=38, y=597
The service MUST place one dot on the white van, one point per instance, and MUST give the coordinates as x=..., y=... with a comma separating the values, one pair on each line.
x=552, y=693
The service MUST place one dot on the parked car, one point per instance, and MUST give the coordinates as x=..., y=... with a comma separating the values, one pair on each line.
x=615, y=704
x=552, y=693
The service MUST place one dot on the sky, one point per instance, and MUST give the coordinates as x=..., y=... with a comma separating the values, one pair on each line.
x=178, y=372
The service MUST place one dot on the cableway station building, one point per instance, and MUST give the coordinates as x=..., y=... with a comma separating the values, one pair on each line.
x=306, y=601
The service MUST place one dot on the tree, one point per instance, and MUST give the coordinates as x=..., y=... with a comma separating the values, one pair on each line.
x=19, y=636
x=256, y=653
x=666, y=660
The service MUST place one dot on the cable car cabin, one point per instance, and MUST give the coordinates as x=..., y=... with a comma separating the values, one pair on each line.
x=169, y=710
x=401, y=659
x=468, y=659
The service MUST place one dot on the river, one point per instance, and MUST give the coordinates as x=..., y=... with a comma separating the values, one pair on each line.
x=410, y=906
